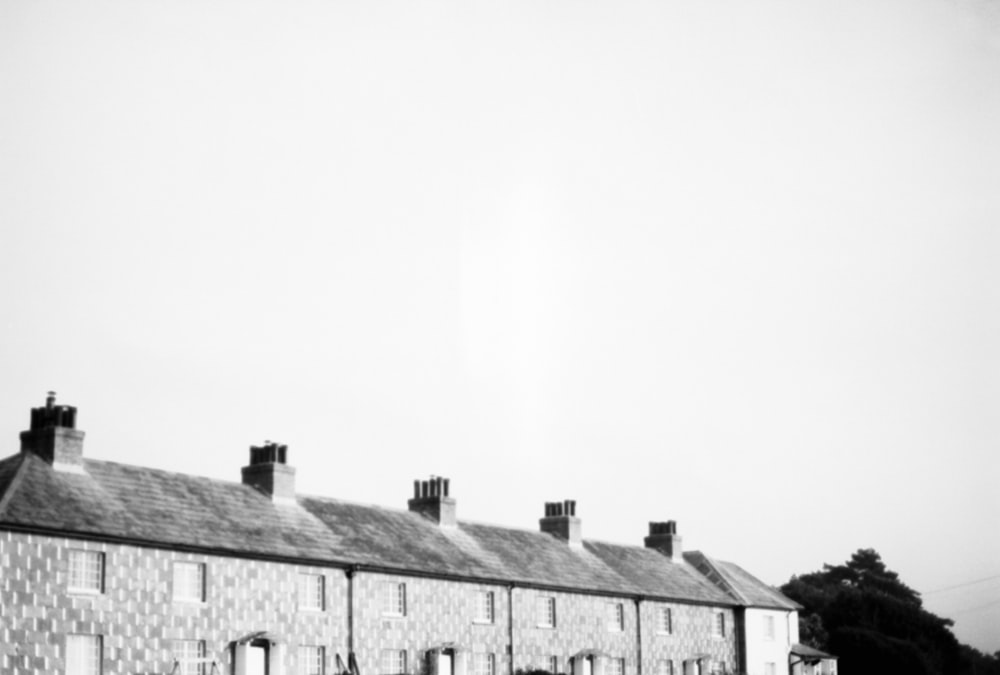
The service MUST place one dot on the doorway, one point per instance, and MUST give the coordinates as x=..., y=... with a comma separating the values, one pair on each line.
x=446, y=662
x=256, y=657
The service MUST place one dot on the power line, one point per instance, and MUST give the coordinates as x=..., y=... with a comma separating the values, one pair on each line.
x=976, y=608
x=967, y=583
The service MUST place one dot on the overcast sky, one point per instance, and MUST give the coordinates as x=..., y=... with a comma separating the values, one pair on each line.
x=728, y=263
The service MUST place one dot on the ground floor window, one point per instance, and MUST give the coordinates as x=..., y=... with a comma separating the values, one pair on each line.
x=312, y=660
x=393, y=661
x=190, y=657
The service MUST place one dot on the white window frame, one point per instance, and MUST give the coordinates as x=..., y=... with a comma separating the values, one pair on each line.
x=184, y=571
x=665, y=621
x=719, y=624
x=485, y=607
x=190, y=656
x=769, y=631
x=311, y=592
x=616, y=666
x=86, y=571
x=394, y=599
x=616, y=617
x=312, y=660
x=484, y=663
x=393, y=662
x=665, y=667
x=546, y=605
x=84, y=654
x=554, y=665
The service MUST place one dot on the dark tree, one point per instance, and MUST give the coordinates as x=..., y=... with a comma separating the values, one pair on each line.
x=862, y=612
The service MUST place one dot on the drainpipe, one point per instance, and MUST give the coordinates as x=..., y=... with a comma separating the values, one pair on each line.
x=638, y=635
x=350, y=572
x=510, y=627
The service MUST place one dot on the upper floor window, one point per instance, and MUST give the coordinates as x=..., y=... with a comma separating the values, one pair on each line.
x=547, y=611
x=84, y=655
x=312, y=660
x=393, y=661
x=665, y=621
x=311, y=592
x=768, y=627
x=189, y=581
x=616, y=666
x=484, y=664
x=719, y=624
x=86, y=571
x=485, y=609
x=190, y=657
x=616, y=616
x=394, y=599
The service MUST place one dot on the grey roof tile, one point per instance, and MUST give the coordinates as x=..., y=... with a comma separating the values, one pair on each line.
x=150, y=506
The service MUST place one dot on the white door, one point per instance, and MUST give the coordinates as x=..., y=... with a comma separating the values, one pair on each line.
x=446, y=664
x=588, y=665
x=256, y=661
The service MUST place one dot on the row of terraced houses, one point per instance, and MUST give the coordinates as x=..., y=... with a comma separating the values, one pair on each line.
x=107, y=568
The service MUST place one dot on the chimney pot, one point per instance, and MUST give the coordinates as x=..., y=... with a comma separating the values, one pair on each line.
x=430, y=498
x=664, y=538
x=269, y=472
x=52, y=435
x=560, y=521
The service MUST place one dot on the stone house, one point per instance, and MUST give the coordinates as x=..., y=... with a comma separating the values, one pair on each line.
x=108, y=568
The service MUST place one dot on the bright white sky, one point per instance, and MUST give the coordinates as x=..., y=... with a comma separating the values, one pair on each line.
x=729, y=263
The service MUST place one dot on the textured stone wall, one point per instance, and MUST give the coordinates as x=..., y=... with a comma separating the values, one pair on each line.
x=136, y=615
x=691, y=637
x=437, y=612
x=139, y=620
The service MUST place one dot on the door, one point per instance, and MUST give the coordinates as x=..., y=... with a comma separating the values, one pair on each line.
x=446, y=662
x=257, y=660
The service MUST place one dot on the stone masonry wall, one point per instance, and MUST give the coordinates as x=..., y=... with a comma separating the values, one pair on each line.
x=437, y=612
x=139, y=620
x=136, y=615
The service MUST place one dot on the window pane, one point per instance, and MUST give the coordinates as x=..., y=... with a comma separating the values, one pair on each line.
x=189, y=581
x=484, y=608
x=312, y=660
x=190, y=657
x=394, y=599
x=311, y=591
x=393, y=661
x=546, y=611
x=666, y=620
x=86, y=571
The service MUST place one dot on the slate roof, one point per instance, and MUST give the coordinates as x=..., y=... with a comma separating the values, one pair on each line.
x=151, y=507
x=736, y=581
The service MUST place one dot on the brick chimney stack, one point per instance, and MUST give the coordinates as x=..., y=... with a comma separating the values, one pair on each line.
x=430, y=498
x=53, y=436
x=664, y=538
x=269, y=473
x=560, y=520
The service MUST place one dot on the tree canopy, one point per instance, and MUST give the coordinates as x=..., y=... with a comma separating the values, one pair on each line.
x=863, y=613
